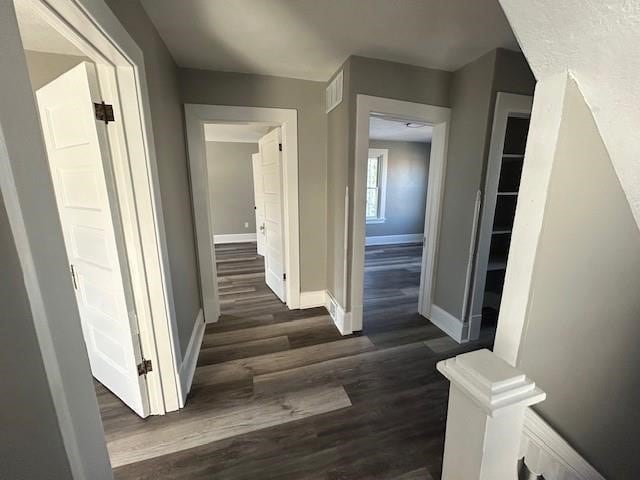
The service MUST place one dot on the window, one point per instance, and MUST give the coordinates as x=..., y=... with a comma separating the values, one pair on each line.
x=376, y=184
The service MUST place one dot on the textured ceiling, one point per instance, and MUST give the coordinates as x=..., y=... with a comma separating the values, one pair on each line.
x=597, y=41
x=309, y=39
x=396, y=130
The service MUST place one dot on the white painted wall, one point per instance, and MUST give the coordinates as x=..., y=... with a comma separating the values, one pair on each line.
x=599, y=42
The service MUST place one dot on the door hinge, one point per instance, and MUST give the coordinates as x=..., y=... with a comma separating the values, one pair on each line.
x=280, y=146
x=145, y=367
x=284, y=276
x=104, y=112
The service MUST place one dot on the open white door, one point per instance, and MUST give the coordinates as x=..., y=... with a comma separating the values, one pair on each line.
x=271, y=155
x=258, y=201
x=78, y=152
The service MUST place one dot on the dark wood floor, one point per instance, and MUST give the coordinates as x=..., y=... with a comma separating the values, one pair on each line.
x=280, y=394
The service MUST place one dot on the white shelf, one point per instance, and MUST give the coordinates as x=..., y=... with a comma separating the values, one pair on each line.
x=512, y=155
x=513, y=194
x=500, y=232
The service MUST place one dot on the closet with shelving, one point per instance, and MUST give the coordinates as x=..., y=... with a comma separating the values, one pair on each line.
x=502, y=186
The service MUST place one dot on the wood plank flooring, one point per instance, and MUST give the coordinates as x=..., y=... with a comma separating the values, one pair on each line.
x=280, y=394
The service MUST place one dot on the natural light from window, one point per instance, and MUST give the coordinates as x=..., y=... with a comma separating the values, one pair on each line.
x=376, y=179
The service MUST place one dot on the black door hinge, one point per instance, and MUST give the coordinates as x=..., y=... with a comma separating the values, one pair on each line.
x=145, y=367
x=280, y=146
x=104, y=112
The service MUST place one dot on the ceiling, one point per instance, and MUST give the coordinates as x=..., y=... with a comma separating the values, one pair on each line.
x=309, y=39
x=397, y=130
x=239, y=133
x=38, y=35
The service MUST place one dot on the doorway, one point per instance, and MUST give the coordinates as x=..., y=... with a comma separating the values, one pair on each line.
x=437, y=121
x=397, y=184
x=279, y=161
x=244, y=180
x=104, y=206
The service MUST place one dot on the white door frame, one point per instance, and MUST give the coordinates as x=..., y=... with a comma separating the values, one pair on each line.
x=28, y=195
x=196, y=117
x=439, y=118
x=507, y=104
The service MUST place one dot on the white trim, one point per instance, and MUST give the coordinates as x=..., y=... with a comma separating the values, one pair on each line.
x=382, y=154
x=446, y=322
x=547, y=453
x=235, y=238
x=196, y=116
x=95, y=30
x=313, y=299
x=29, y=199
x=341, y=319
x=542, y=141
x=507, y=104
x=439, y=118
x=395, y=239
x=190, y=359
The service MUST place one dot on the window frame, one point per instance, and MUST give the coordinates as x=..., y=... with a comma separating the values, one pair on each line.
x=382, y=154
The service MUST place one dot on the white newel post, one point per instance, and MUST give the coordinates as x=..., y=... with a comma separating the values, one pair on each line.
x=487, y=401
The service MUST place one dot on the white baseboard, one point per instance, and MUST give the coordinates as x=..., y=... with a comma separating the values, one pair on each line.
x=446, y=322
x=341, y=318
x=547, y=453
x=235, y=238
x=190, y=358
x=391, y=239
x=313, y=299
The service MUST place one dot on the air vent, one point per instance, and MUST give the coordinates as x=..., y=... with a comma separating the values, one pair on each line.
x=332, y=308
x=334, y=92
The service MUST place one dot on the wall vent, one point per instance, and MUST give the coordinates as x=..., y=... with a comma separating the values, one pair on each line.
x=334, y=92
x=332, y=308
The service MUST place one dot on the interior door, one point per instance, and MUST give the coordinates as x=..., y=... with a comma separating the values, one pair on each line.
x=271, y=156
x=78, y=152
x=258, y=201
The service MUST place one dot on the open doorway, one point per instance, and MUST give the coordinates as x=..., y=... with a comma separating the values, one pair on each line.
x=274, y=130
x=431, y=123
x=397, y=183
x=244, y=179
x=100, y=203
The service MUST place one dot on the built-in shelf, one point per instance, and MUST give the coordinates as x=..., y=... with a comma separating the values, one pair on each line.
x=501, y=232
x=513, y=155
x=494, y=265
x=508, y=193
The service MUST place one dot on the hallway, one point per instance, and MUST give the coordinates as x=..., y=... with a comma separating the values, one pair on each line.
x=282, y=395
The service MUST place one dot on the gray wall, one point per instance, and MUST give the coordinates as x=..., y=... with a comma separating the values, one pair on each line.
x=473, y=96
x=167, y=116
x=29, y=423
x=45, y=67
x=369, y=77
x=223, y=88
x=470, y=107
x=231, y=182
x=581, y=342
x=337, y=180
x=406, y=192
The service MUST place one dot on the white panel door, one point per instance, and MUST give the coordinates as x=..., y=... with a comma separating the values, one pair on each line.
x=273, y=222
x=78, y=152
x=258, y=201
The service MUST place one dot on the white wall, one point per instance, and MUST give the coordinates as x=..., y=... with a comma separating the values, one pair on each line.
x=599, y=42
x=583, y=317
